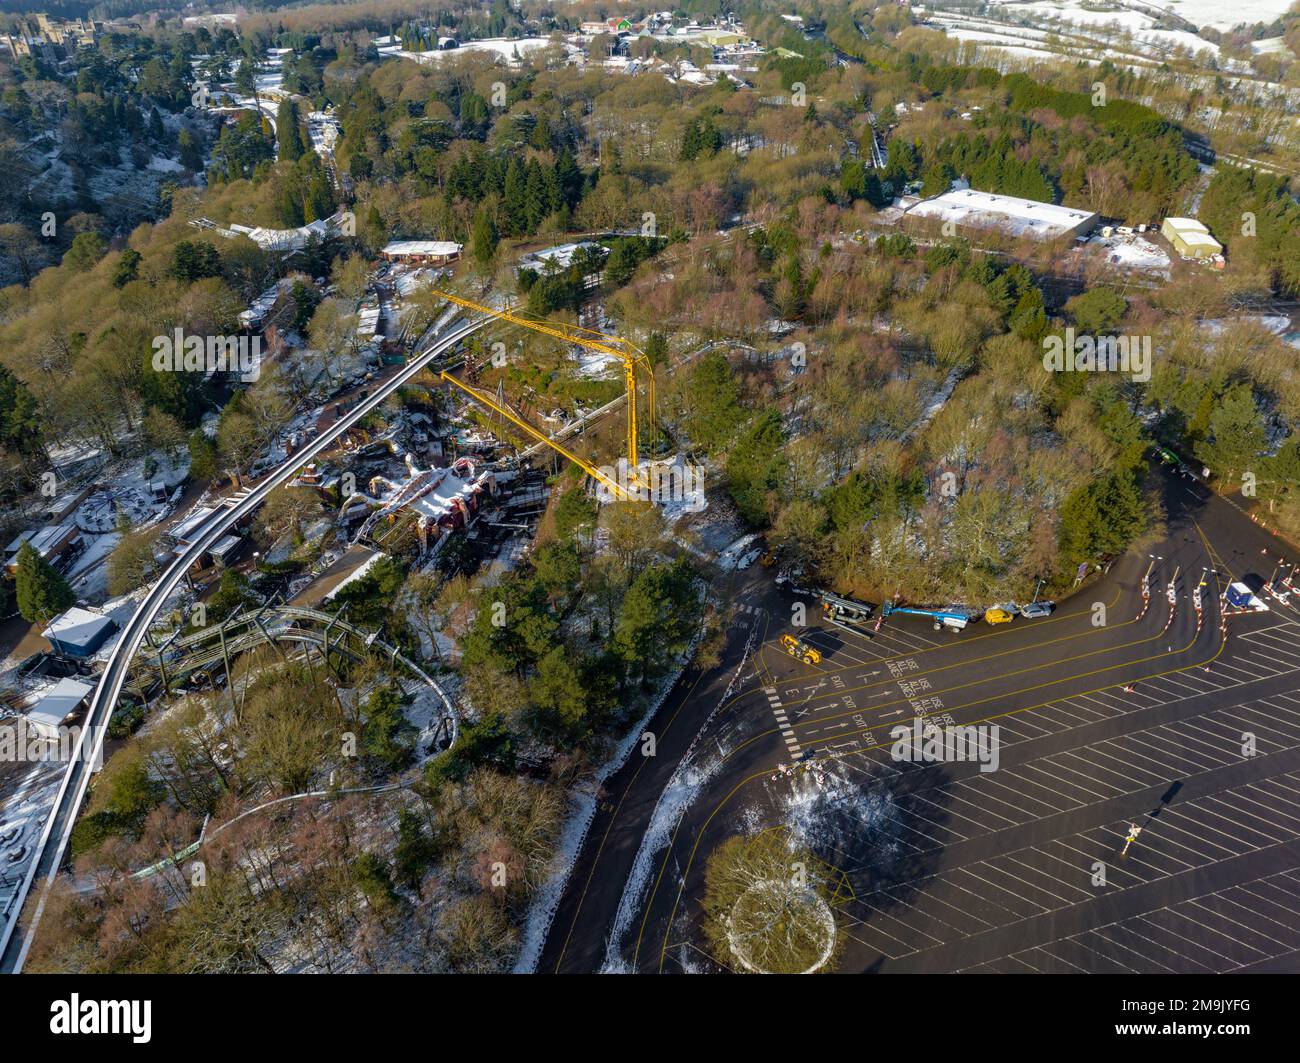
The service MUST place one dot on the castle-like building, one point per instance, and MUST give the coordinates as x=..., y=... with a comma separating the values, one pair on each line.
x=32, y=34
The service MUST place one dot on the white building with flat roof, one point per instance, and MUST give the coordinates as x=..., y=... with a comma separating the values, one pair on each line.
x=65, y=698
x=559, y=257
x=78, y=632
x=421, y=252
x=1009, y=214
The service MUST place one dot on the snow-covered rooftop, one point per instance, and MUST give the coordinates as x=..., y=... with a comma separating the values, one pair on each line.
x=184, y=529
x=59, y=703
x=76, y=626
x=1186, y=225
x=42, y=540
x=1021, y=217
x=286, y=239
x=435, y=248
x=447, y=486
x=560, y=256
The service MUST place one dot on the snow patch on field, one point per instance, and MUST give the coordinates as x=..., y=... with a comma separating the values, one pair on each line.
x=1042, y=30
x=832, y=814
x=1131, y=252
x=1214, y=13
x=1274, y=323
x=1225, y=16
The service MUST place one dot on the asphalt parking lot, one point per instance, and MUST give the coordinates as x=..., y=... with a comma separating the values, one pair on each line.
x=1150, y=718
x=1144, y=814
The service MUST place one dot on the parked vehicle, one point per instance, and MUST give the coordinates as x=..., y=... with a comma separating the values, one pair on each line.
x=1240, y=596
x=952, y=617
x=801, y=650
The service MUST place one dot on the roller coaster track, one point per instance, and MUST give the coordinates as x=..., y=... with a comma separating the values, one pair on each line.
x=57, y=832
x=280, y=628
x=209, y=646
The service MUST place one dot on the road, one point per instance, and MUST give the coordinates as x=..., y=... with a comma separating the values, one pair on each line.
x=55, y=836
x=1130, y=716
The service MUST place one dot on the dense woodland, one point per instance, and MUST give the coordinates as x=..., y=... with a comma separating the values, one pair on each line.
x=75, y=141
x=429, y=153
x=872, y=398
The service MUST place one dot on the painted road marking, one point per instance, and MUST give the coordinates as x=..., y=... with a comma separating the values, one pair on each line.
x=783, y=722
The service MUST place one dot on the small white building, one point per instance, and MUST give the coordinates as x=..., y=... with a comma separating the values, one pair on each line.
x=422, y=252
x=225, y=549
x=78, y=632
x=1190, y=238
x=557, y=258
x=67, y=696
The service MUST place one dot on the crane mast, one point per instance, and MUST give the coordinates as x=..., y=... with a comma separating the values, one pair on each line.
x=482, y=397
x=615, y=346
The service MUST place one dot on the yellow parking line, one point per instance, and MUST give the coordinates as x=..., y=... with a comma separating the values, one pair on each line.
x=836, y=756
x=966, y=642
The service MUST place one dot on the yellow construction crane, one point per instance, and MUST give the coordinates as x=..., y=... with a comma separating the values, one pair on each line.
x=632, y=359
x=490, y=401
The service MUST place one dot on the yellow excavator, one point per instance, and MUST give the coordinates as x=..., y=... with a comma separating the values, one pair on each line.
x=797, y=648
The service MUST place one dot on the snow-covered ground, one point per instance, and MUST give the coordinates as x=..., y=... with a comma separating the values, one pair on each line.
x=1131, y=252
x=124, y=192
x=22, y=815
x=125, y=492
x=1213, y=13
x=1224, y=16
x=162, y=165
x=1269, y=46
x=1000, y=41
x=1079, y=16
x=1057, y=27
x=270, y=72
x=739, y=554
x=507, y=49
x=1274, y=323
x=1137, y=23
x=593, y=364
x=511, y=50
